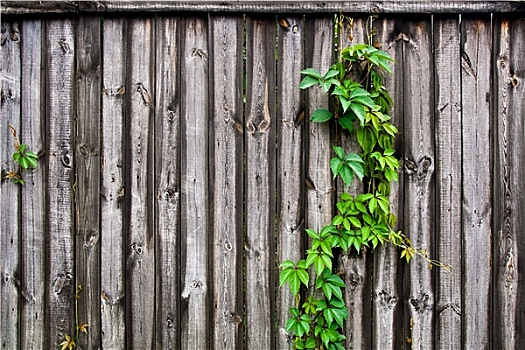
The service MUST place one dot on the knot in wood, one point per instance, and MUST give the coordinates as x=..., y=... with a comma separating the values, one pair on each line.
x=514, y=81
x=169, y=321
x=386, y=300
x=422, y=304
x=66, y=160
x=137, y=248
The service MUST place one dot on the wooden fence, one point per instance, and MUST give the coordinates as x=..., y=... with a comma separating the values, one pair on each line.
x=178, y=168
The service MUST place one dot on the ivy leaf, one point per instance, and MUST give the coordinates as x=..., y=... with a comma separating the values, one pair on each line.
x=294, y=275
x=307, y=82
x=321, y=115
x=312, y=73
x=359, y=111
x=83, y=327
x=346, y=122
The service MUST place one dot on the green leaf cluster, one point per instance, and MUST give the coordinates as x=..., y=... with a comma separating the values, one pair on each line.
x=23, y=157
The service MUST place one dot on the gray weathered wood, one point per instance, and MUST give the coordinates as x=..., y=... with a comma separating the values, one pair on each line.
x=448, y=179
x=33, y=197
x=167, y=183
x=419, y=165
x=261, y=126
x=87, y=154
x=195, y=278
x=10, y=192
x=290, y=164
x=509, y=218
x=477, y=255
x=59, y=92
x=227, y=180
x=112, y=191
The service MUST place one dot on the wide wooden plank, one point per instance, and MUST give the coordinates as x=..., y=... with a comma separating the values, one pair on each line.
x=33, y=197
x=227, y=180
x=448, y=179
x=509, y=218
x=87, y=154
x=290, y=163
x=195, y=278
x=259, y=134
x=60, y=91
x=419, y=165
x=477, y=255
x=10, y=192
x=112, y=191
x=167, y=183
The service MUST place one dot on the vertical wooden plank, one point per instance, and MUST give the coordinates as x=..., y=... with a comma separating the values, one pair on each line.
x=447, y=82
x=140, y=260
x=60, y=88
x=9, y=191
x=509, y=219
x=476, y=68
x=87, y=154
x=260, y=181
x=290, y=165
x=227, y=180
x=195, y=308
x=112, y=191
x=419, y=167
x=167, y=161
x=33, y=197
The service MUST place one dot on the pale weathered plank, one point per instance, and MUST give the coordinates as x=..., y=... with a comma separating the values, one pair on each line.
x=167, y=183
x=10, y=192
x=290, y=164
x=87, y=154
x=261, y=126
x=112, y=191
x=227, y=180
x=476, y=48
x=59, y=92
x=140, y=257
x=509, y=218
x=195, y=276
x=448, y=179
x=419, y=164
x=33, y=197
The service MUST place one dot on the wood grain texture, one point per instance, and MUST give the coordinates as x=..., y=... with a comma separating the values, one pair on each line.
x=33, y=197
x=195, y=308
x=477, y=255
x=9, y=191
x=419, y=165
x=140, y=257
x=167, y=182
x=60, y=90
x=290, y=163
x=227, y=179
x=112, y=190
x=260, y=130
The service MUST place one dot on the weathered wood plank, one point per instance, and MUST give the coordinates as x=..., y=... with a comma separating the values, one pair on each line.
x=509, y=218
x=28, y=7
x=476, y=71
x=290, y=164
x=60, y=91
x=87, y=154
x=33, y=197
x=112, y=249
x=448, y=179
x=419, y=165
x=259, y=133
x=140, y=258
x=227, y=180
x=196, y=284
x=10, y=192
x=167, y=183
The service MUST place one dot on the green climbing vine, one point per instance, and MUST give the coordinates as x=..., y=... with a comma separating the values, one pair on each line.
x=23, y=157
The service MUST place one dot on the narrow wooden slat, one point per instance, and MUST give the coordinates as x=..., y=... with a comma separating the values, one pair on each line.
x=509, y=218
x=60, y=90
x=87, y=154
x=112, y=191
x=448, y=179
x=476, y=48
x=167, y=190
x=33, y=197
x=260, y=132
x=195, y=240
x=227, y=180
x=290, y=177
x=10, y=192
x=419, y=164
